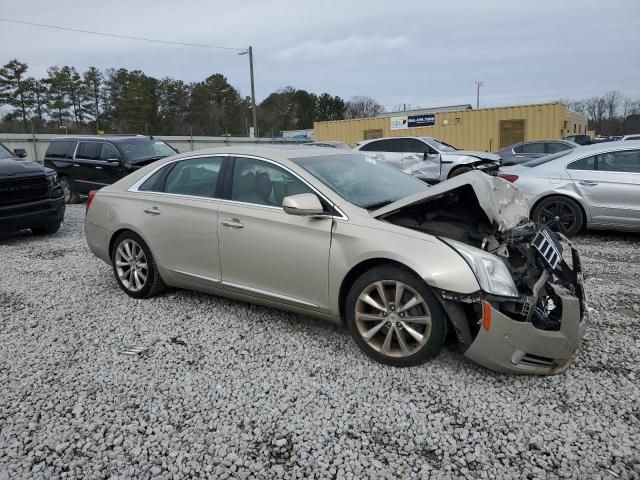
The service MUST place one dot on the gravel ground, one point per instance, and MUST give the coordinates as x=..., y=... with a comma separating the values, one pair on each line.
x=231, y=390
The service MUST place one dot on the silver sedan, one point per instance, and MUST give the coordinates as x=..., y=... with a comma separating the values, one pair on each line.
x=594, y=186
x=340, y=236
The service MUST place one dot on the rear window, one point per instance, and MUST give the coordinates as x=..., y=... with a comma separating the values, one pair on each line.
x=547, y=158
x=61, y=149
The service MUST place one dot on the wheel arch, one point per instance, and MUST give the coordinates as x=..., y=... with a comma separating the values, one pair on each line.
x=123, y=229
x=361, y=268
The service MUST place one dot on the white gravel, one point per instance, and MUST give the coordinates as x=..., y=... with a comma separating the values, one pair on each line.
x=244, y=391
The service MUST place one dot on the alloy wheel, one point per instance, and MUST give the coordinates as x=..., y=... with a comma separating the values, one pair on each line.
x=131, y=265
x=393, y=318
x=558, y=216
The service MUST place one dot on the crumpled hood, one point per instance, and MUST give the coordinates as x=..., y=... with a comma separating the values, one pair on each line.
x=503, y=203
x=472, y=153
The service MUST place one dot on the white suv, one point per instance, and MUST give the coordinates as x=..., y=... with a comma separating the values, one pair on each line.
x=428, y=159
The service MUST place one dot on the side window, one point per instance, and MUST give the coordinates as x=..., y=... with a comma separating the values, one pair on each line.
x=555, y=147
x=518, y=149
x=372, y=147
x=627, y=161
x=263, y=183
x=533, y=148
x=109, y=152
x=61, y=149
x=197, y=177
x=153, y=183
x=411, y=145
x=583, y=164
x=88, y=150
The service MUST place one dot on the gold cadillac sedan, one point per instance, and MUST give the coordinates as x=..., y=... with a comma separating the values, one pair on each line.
x=350, y=239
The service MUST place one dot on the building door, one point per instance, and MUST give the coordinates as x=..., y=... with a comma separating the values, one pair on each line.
x=511, y=132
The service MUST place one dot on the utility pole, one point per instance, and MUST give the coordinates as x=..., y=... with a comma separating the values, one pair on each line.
x=253, y=91
x=478, y=85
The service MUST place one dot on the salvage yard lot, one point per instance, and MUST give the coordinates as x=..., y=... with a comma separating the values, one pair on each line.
x=228, y=388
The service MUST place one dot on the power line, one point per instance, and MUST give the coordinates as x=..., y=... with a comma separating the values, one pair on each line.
x=114, y=35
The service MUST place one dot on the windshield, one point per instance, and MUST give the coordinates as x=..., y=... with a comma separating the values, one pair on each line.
x=5, y=152
x=441, y=146
x=360, y=180
x=539, y=161
x=144, y=148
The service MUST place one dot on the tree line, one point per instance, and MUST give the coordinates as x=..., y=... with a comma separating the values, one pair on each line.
x=611, y=114
x=129, y=101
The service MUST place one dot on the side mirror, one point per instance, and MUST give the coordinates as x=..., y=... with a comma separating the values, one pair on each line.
x=302, y=204
x=430, y=156
x=20, y=152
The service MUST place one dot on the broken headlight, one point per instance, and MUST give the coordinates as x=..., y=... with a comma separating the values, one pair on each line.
x=491, y=272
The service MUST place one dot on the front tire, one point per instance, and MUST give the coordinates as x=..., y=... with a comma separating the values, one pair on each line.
x=70, y=195
x=394, y=317
x=560, y=214
x=134, y=267
x=47, y=229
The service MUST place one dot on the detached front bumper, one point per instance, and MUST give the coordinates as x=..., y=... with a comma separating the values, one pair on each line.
x=533, y=334
x=512, y=346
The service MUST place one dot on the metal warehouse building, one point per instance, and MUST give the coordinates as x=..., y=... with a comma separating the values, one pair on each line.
x=487, y=129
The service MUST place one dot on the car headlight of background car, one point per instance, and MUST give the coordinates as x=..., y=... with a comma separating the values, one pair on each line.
x=52, y=180
x=491, y=272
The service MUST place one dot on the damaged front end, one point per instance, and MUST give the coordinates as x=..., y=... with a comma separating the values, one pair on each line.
x=529, y=315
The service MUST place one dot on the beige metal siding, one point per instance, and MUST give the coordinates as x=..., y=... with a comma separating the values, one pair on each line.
x=469, y=129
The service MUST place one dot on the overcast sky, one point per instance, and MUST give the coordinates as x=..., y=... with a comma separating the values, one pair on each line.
x=420, y=52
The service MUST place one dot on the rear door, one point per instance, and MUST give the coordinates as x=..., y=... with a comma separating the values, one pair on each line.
x=179, y=207
x=266, y=252
x=610, y=183
x=110, y=167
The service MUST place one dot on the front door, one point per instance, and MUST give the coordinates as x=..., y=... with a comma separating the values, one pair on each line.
x=266, y=252
x=109, y=167
x=610, y=183
x=180, y=219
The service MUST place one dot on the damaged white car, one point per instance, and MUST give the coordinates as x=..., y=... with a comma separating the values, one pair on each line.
x=429, y=159
x=344, y=237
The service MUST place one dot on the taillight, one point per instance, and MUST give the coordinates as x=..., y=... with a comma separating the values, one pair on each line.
x=508, y=177
x=92, y=194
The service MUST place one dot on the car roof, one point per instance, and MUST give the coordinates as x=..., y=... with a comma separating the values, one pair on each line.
x=111, y=138
x=364, y=142
x=270, y=151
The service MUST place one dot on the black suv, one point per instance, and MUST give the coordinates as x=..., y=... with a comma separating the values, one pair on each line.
x=30, y=196
x=90, y=162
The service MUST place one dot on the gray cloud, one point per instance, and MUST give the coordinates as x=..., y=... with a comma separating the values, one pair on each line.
x=415, y=52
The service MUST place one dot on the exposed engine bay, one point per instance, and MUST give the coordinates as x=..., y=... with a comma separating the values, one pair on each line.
x=537, y=258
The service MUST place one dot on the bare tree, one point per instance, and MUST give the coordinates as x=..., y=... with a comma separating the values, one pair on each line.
x=612, y=101
x=363, y=107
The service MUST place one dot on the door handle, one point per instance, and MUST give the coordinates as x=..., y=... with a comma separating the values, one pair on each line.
x=233, y=223
x=152, y=211
x=587, y=183
x=99, y=168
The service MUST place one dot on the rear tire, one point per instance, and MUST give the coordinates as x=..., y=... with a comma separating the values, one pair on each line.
x=560, y=214
x=459, y=171
x=47, y=229
x=404, y=328
x=134, y=267
x=70, y=195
